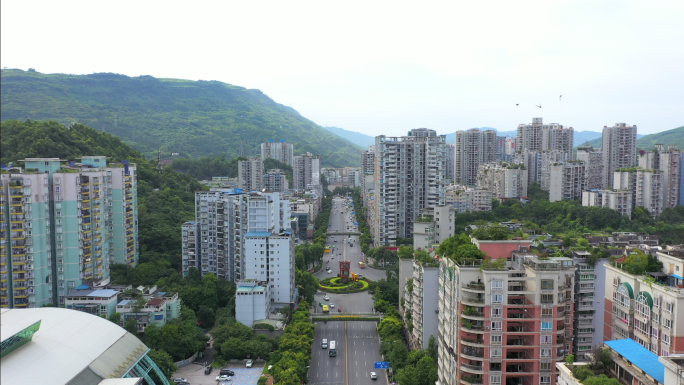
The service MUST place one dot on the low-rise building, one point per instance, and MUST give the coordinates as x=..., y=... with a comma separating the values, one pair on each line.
x=148, y=306
x=99, y=302
x=434, y=225
x=618, y=200
x=468, y=199
x=252, y=301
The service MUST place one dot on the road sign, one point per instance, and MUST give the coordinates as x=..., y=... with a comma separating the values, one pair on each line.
x=356, y=224
x=382, y=365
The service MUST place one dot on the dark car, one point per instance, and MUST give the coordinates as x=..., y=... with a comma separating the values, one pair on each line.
x=227, y=372
x=207, y=370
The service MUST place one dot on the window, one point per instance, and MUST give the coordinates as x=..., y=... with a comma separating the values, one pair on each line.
x=496, y=340
x=545, y=353
x=497, y=298
x=666, y=339
x=496, y=325
x=545, y=340
x=547, y=312
x=495, y=352
x=545, y=379
x=547, y=284
x=667, y=323
x=547, y=298
x=497, y=284
x=546, y=326
x=497, y=312
x=669, y=307
x=621, y=296
x=545, y=366
x=494, y=379
x=642, y=305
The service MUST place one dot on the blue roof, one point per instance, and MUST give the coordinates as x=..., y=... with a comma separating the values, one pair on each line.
x=103, y=293
x=83, y=287
x=125, y=302
x=677, y=276
x=640, y=357
x=258, y=234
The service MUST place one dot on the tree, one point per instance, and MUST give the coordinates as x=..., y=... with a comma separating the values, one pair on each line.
x=116, y=318
x=582, y=373
x=427, y=370
x=601, y=380
x=390, y=329
x=132, y=326
x=405, y=252
x=432, y=348
x=570, y=359
x=601, y=360
x=163, y=361
x=233, y=348
x=210, y=291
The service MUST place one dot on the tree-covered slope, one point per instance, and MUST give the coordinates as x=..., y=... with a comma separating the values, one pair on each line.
x=669, y=137
x=194, y=118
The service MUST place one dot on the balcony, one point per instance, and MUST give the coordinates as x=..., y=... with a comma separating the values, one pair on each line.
x=473, y=342
x=475, y=287
x=472, y=353
x=471, y=379
x=473, y=300
x=520, y=342
x=475, y=369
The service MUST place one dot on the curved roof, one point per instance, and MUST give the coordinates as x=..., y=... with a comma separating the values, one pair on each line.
x=69, y=344
x=648, y=297
x=629, y=289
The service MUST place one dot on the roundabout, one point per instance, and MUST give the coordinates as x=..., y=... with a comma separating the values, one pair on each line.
x=335, y=285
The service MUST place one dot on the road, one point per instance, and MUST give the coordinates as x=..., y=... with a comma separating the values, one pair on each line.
x=357, y=351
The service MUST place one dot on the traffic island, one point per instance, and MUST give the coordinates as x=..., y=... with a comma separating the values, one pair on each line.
x=335, y=285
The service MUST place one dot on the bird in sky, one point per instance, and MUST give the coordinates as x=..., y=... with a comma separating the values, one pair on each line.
x=539, y=105
x=516, y=104
x=559, y=98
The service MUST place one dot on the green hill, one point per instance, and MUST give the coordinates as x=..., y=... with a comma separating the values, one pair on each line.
x=669, y=137
x=193, y=118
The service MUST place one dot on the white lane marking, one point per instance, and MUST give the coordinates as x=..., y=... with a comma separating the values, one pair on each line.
x=357, y=374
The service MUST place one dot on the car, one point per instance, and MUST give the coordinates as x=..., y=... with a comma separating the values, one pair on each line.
x=329, y=271
x=331, y=305
x=227, y=372
x=179, y=380
x=339, y=310
x=374, y=376
x=224, y=377
x=249, y=363
x=326, y=298
x=207, y=370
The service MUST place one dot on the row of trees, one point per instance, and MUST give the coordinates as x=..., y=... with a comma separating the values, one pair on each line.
x=291, y=360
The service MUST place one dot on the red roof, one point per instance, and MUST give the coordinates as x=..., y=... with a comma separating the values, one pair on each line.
x=155, y=302
x=621, y=260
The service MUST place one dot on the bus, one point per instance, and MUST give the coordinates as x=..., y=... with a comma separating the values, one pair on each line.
x=362, y=265
x=326, y=309
x=333, y=351
x=327, y=249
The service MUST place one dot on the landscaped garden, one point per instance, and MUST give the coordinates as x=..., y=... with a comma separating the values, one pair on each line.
x=335, y=285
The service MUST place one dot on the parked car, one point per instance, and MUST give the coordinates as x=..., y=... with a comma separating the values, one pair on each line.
x=226, y=372
x=249, y=363
x=179, y=380
x=207, y=370
x=224, y=377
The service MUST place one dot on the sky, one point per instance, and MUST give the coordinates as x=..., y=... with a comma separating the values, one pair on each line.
x=384, y=67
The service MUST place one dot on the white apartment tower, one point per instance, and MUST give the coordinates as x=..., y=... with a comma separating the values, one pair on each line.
x=538, y=136
x=306, y=169
x=280, y=151
x=644, y=185
x=503, y=180
x=593, y=160
x=567, y=180
x=251, y=174
x=451, y=158
x=618, y=200
x=473, y=148
x=409, y=175
x=619, y=150
x=276, y=180
x=669, y=162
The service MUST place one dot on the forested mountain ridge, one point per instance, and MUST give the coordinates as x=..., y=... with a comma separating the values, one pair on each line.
x=193, y=118
x=674, y=136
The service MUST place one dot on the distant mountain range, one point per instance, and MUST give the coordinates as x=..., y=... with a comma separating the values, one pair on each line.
x=364, y=140
x=192, y=118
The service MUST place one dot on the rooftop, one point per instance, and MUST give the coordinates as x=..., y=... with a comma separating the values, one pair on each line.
x=640, y=357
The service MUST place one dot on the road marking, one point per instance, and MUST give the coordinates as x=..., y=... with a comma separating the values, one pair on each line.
x=357, y=374
x=346, y=363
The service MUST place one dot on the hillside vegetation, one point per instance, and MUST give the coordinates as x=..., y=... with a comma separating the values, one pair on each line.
x=194, y=118
x=674, y=136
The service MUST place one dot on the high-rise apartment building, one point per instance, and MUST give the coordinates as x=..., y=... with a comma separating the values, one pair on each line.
x=646, y=308
x=422, y=303
x=409, y=175
x=669, y=162
x=62, y=226
x=501, y=148
x=619, y=150
x=618, y=200
x=280, y=151
x=593, y=160
x=567, y=180
x=276, y=180
x=644, y=185
x=451, y=159
x=505, y=325
x=306, y=169
x=588, y=313
x=538, y=136
x=464, y=198
x=251, y=174
x=503, y=180
x=473, y=148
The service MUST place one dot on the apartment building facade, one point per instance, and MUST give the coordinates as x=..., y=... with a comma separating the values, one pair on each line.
x=409, y=175
x=619, y=150
x=567, y=180
x=647, y=308
x=62, y=226
x=423, y=305
x=540, y=137
x=276, y=180
x=669, y=162
x=251, y=174
x=252, y=302
x=433, y=226
x=473, y=148
x=618, y=200
x=306, y=169
x=593, y=160
x=450, y=162
x=503, y=180
x=464, y=198
x=280, y=151
x=504, y=325
x=587, y=312
x=644, y=185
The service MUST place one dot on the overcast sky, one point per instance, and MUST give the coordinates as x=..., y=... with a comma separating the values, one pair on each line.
x=384, y=67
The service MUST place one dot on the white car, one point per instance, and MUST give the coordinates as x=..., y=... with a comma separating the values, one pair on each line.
x=331, y=305
x=224, y=377
x=249, y=363
x=329, y=271
x=374, y=376
x=179, y=379
x=326, y=298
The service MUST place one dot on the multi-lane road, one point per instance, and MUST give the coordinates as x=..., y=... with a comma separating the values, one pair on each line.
x=357, y=341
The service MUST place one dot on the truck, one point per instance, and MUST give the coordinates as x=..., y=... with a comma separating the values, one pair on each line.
x=332, y=352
